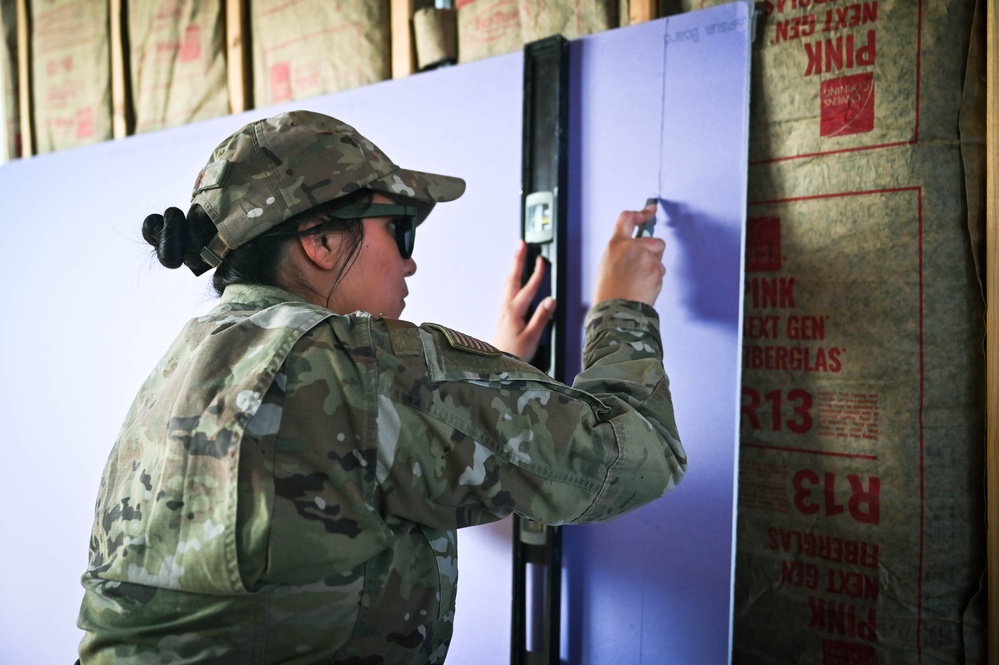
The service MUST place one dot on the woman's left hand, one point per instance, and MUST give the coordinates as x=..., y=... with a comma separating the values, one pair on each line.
x=515, y=334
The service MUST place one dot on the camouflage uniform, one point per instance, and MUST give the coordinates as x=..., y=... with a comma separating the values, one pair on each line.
x=287, y=485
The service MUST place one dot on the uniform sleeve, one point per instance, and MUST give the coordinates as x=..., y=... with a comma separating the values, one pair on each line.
x=466, y=434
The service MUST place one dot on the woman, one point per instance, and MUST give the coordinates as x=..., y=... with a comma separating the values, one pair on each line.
x=288, y=482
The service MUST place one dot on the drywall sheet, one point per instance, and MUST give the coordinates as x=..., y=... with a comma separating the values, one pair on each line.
x=663, y=109
x=89, y=313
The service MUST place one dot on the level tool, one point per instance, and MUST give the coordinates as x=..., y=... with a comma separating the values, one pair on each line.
x=537, y=549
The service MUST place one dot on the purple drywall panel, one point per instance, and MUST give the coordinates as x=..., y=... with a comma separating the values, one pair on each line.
x=88, y=312
x=662, y=109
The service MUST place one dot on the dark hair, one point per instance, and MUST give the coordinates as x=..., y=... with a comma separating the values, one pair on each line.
x=178, y=240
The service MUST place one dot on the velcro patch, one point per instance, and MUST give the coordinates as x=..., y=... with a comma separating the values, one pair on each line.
x=405, y=338
x=463, y=342
x=212, y=176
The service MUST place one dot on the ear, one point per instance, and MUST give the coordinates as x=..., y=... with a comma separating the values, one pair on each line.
x=320, y=249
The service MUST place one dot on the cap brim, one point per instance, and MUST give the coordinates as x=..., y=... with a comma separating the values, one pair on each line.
x=423, y=189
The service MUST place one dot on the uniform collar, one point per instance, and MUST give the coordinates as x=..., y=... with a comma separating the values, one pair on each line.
x=258, y=295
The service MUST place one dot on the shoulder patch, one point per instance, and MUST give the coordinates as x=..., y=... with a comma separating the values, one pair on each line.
x=463, y=342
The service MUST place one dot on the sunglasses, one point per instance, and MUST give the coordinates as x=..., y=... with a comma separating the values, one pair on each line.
x=403, y=226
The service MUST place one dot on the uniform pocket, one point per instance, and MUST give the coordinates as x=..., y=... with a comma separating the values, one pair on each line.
x=445, y=548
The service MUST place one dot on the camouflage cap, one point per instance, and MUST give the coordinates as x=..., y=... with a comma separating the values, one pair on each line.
x=273, y=169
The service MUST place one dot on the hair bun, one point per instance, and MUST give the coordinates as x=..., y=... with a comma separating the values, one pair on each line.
x=152, y=226
x=167, y=233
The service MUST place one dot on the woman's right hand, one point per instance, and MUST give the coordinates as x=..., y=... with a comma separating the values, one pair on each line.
x=631, y=268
